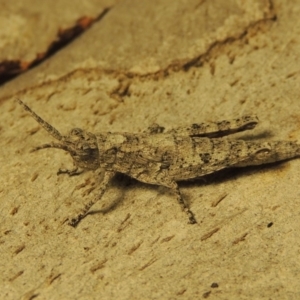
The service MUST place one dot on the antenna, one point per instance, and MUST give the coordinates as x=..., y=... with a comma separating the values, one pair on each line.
x=54, y=132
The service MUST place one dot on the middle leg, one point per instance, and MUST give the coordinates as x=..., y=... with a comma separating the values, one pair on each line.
x=162, y=179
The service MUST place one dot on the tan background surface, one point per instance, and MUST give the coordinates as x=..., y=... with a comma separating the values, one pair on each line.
x=174, y=63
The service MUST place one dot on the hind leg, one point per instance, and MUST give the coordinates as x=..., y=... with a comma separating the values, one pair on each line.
x=217, y=129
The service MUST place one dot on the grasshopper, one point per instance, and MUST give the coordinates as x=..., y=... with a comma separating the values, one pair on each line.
x=164, y=157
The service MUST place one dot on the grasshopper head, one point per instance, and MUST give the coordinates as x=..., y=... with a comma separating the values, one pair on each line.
x=82, y=145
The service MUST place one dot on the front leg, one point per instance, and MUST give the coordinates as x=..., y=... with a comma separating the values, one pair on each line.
x=107, y=177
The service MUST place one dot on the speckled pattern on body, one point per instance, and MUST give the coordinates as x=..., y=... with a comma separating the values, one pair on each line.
x=164, y=157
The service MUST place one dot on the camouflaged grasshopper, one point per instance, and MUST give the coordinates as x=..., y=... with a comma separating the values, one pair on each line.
x=164, y=157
